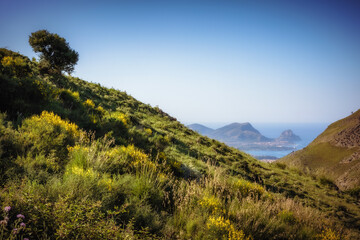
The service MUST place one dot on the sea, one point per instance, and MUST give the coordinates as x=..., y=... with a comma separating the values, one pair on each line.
x=306, y=131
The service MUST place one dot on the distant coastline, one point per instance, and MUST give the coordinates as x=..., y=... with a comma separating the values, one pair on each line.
x=272, y=150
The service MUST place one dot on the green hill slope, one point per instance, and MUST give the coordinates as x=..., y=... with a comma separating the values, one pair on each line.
x=81, y=161
x=335, y=153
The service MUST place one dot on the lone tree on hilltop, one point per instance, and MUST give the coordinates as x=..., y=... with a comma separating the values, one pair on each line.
x=55, y=54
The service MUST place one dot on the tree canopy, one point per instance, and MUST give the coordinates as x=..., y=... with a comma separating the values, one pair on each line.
x=55, y=53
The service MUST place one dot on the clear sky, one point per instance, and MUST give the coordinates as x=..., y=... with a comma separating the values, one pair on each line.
x=209, y=61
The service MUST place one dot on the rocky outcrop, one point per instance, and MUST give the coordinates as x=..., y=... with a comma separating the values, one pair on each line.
x=288, y=136
x=348, y=137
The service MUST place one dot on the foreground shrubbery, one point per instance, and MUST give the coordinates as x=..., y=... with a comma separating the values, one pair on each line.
x=72, y=185
x=79, y=161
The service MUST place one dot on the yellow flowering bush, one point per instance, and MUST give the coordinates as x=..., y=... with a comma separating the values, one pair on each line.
x=100, y=110
x=223, y=229
x=246, y=188
x=53, y=119
x=73, y=95
x=148, y=131
x=136, y=154
x=136, y=158
x=139, y=159
x=89, y=103
x=107, y=182
x=176, y=165
x=16, y=66
x=96, y=113
x=143, y=163
x=81, y=172
x=76, y=95
x=48, y=133
x=329, y=234
x=73, y=148
x=210, y=203
x=162, y=156
x=172, y=165
x=121, y=117
x=162, y=177
x=103, y=181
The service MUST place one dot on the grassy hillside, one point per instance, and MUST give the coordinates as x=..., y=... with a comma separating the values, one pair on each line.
x=81, y=161
x=335, y=154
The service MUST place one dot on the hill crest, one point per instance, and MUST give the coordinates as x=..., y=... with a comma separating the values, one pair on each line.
x=335, y=153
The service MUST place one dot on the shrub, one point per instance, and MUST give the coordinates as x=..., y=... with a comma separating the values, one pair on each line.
x=40, y=167
x=148, y=131
x=136, y=158
x=16, y=66
x=159, y=141
x=69, y=97
x=210, y=203
x=89, y=104
x=9, y=149
x=83, y=220
x=96, y=114
x=246, y=188
x=221, y=228
x=173, y=165
x=48, y=134
x=329, y=234
x=21, y=97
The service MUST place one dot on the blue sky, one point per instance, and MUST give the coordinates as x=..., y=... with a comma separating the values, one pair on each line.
x=209, y=61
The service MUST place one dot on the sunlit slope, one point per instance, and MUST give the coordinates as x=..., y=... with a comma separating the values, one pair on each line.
x=335, y=153
x=72, y=151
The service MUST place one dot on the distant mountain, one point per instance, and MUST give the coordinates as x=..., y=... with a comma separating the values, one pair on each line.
x=288, y=136
x=245, y=137
x=200, y=129
x=335, y=153
x=239, y=132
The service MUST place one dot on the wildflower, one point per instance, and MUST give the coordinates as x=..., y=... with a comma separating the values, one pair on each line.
x=15, y=231
x=20, y=216
x=7, y=209
x=26, y=239
x=3, y=222
x=211, y=203
x=22, y=225
x=89, y=103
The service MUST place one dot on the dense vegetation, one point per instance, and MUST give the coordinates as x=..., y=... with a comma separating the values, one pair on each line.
x=81, y=161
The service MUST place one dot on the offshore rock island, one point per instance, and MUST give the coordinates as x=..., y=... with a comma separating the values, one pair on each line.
x=245, y=137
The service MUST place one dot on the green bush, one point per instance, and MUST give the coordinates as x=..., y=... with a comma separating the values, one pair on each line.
x=49, y=135
x=9, y=149
x=83, y=220
x=14, y=64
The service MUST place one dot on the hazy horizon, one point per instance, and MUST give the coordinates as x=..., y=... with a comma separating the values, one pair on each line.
x=247, y=61
x=273, y=130
x=306, y=131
